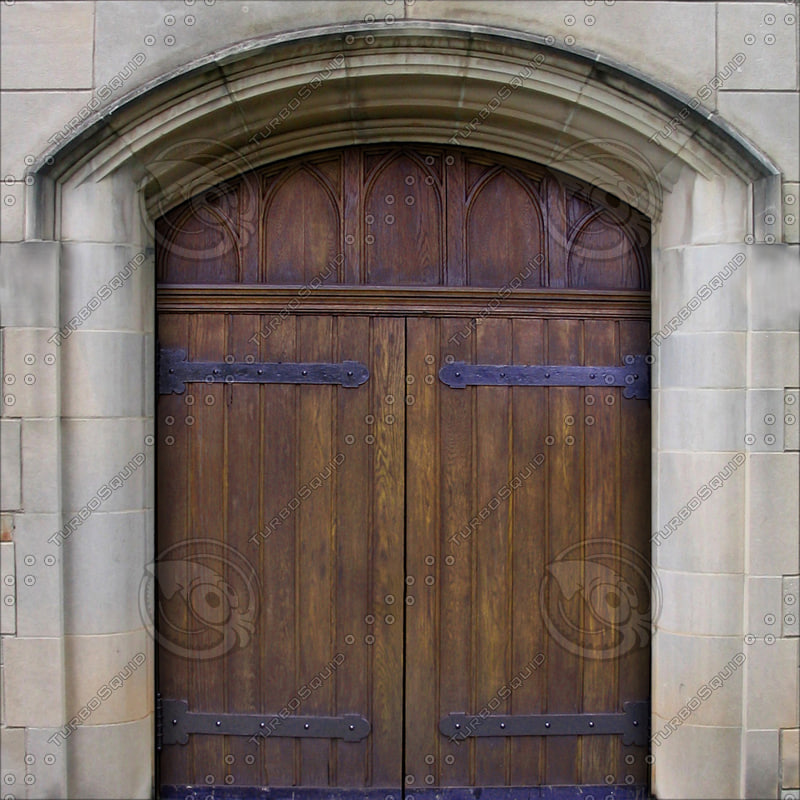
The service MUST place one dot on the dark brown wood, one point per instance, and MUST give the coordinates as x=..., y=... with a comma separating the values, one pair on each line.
x=409, y=215
x=420, y=565
x=371, y=301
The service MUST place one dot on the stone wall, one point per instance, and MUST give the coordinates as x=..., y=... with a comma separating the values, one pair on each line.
x=78, y=407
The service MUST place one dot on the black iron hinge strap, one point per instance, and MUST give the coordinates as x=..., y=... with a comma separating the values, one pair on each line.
x=634, y=376
x=174, y=371
x=178, y=723
x=632, y=724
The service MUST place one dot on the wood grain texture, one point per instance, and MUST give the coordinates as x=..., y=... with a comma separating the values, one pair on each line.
x=406, y=216
x=475, y=550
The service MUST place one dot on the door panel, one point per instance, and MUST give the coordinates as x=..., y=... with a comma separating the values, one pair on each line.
x=403, y=550
x=525, y=595
x=304, y=485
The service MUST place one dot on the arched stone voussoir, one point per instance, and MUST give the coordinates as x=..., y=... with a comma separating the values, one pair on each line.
x=501, y=90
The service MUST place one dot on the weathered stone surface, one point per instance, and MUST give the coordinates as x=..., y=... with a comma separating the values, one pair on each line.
x=30, y=664
x=750, y=111
x=47, y=45
x=766, y=34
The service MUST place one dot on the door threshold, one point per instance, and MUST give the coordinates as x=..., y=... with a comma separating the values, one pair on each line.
x=599, y=792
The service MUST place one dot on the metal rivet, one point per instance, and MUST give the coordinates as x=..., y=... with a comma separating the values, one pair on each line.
x=261, y=372
x=458, y=726
x=458, y=374
x=502, y=724
x=349, y=374
x=172, y=372
x=547, y=724
x=591, y=724
x=306, y=726
x=216, y=372
x=352, y=727
x=218, y=723
x=174, y=722
x=547, y=374
x=591, y=375
x=262, y=724
x=635, y=724
x=304, y=372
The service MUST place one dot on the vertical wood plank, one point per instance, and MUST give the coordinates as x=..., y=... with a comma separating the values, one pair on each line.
x=455, y=199
x=491, y=548
x=207, y=500
x=565, y=518
x=388, y=462
x=557, y=233
x=353, y=223
x=529, y=550
x=353, y=599
x=243, y=662
x=313, y=567
x=635, y=526
x=457, y=660
x=274, y=549
x=422, y=557
x=601, y=550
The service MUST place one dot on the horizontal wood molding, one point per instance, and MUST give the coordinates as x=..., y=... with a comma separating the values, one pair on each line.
x=392, y=301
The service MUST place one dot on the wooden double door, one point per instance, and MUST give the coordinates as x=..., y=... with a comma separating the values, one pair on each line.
x=392, y=583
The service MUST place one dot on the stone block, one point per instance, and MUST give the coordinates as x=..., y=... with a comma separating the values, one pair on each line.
x=704, y=605
x=22, y=142
x=790, y=758
x=747, y=112
x=10, y=464
x=34, y=682
x=104, y=565
x=112, y=762
x=631, y=33
x=774, y=287
x=761, y=766
x=39, y=586
x=684, y=664
x=773, y=504
x=790, y=609
x=99, y=451
x=704, y=360
x=771, y=684
x=99, y=665
x=791, y=212
x=47, y=45
x=12, y=212
x=29, y=280
x=112, y=364
x=702, y=420
x=683, y=763
x=701, y=288
x=41, y=487
x=105, y=287
x=48, y=764
x=8, y=593
x=764, y=600
x=30, y=373
x=774, y=359
x=12, y=760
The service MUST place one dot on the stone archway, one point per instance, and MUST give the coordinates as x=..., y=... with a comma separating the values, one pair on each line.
x=98, y=192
